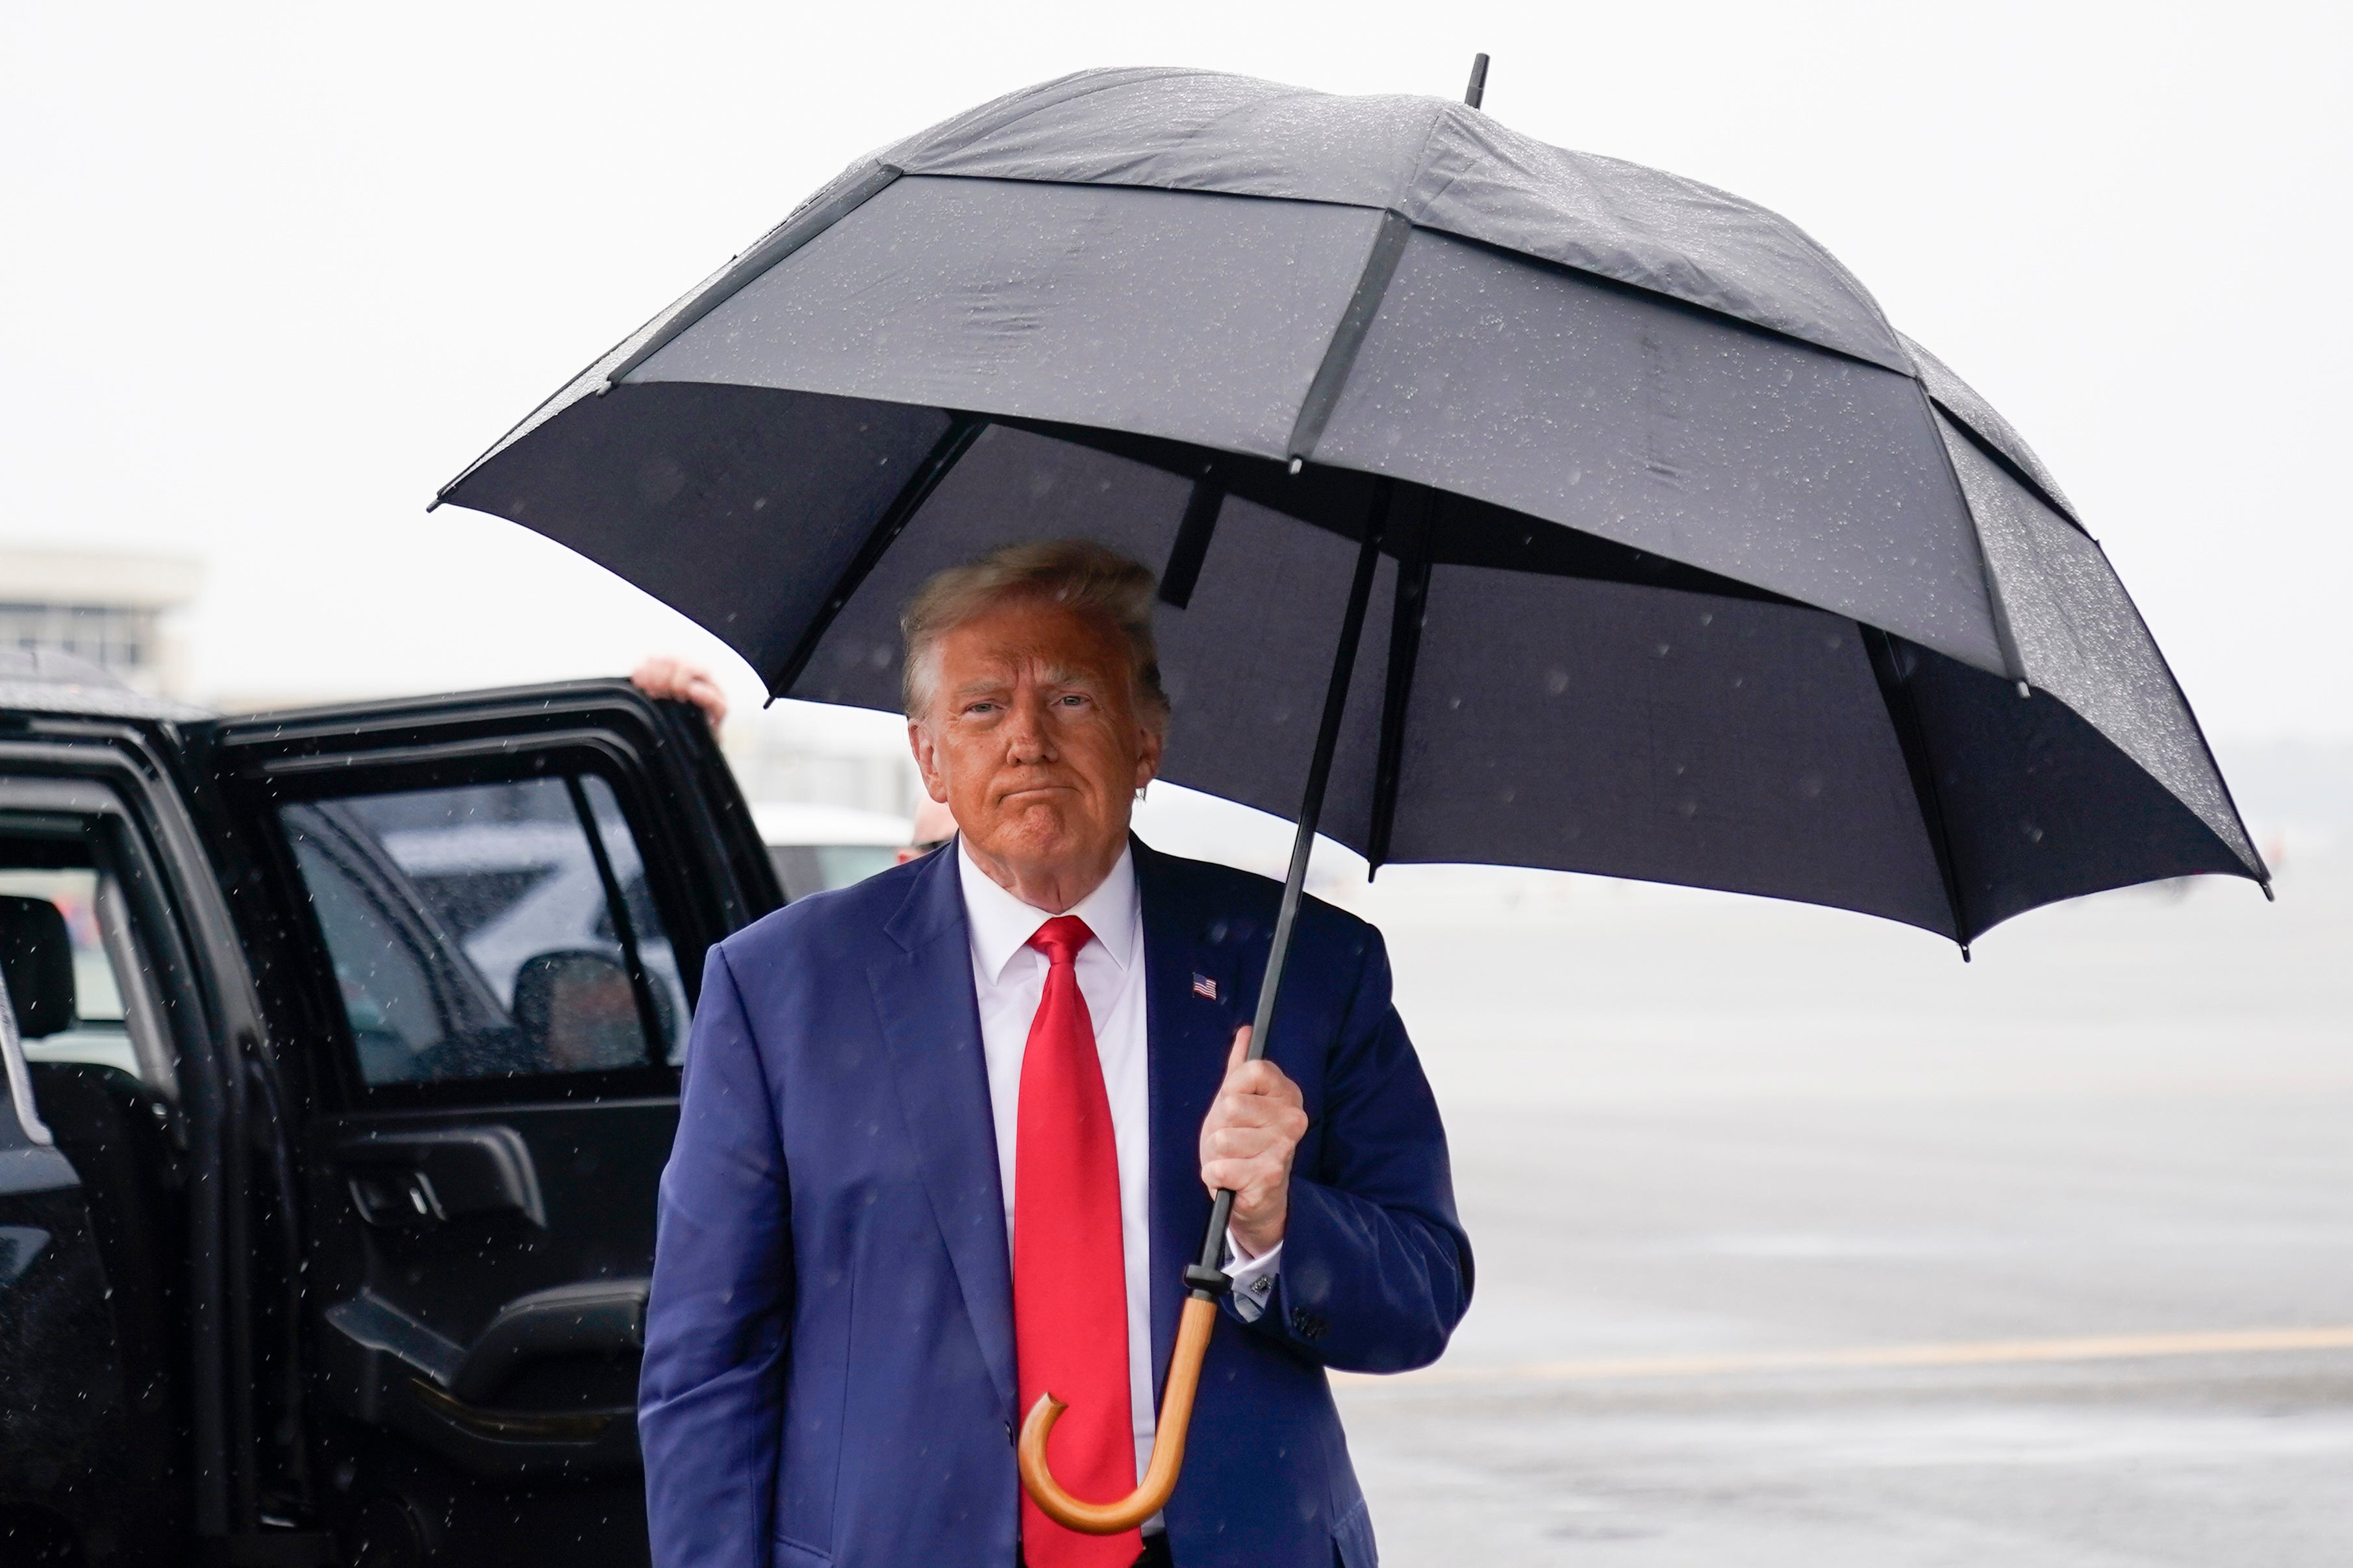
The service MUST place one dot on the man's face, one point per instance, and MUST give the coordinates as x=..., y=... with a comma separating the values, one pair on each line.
x=1032, y=736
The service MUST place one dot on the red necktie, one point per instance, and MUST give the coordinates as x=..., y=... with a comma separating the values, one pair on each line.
x=1070, y=1278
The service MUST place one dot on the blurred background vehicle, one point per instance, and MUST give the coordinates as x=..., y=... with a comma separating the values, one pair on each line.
x=816, y=847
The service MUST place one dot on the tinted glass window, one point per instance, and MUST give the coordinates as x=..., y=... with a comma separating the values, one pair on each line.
x=101, y=1011
x=474, y=932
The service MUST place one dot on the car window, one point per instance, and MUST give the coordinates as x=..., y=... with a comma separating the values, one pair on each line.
x=57, y=882
x=474, y=932
x=654, y=950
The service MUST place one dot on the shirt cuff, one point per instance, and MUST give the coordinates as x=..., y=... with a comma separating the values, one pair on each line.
x=1253, y=1277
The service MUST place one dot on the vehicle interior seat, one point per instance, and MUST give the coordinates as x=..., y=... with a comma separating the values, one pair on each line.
x=36, y=959
x=117, y=1132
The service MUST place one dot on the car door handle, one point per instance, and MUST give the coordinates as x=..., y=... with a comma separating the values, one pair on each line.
x=420, y=1180
x=396, y=1199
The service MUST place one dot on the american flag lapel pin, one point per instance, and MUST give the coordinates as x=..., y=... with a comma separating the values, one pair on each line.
x=1205, y=986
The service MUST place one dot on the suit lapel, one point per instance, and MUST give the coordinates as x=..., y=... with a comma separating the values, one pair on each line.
x=931, y=1023
x=1187, y=1036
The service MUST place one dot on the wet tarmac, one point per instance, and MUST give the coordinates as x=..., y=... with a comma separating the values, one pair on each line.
x=1800, y=1242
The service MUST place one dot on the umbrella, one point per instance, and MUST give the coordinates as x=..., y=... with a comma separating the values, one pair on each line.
x=1511, y=505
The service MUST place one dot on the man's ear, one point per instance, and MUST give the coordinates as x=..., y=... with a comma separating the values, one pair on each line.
x=927, y=759
x=1147, y=756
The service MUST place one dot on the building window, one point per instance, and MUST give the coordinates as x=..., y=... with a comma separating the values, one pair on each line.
x=116, y=638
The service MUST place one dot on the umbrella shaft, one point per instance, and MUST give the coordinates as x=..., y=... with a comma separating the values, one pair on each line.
x=1311, y=809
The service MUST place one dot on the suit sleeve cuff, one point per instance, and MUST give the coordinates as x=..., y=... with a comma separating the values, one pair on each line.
x=1253, y=1277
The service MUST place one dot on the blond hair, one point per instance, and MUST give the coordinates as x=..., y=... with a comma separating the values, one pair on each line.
x=1078, y=573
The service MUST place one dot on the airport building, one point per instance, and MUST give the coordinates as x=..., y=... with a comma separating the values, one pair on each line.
x=115, y=610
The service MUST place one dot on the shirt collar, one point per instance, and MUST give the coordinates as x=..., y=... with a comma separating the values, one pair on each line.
x=1002, y=925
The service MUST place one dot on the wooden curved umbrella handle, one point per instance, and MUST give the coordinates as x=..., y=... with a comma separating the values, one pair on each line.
x=1167, y=1438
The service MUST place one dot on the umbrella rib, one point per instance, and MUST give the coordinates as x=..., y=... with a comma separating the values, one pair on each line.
x=963, y=430
x=1912, y=738
x=1412, y=550
x=1340, y=354
x=1192, y=546
x=1997, y=607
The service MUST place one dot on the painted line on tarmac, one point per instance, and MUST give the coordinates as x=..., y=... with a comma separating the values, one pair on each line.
x=1977, y=1352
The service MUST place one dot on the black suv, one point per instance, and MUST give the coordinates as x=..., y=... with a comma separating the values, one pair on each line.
x=342, y=1060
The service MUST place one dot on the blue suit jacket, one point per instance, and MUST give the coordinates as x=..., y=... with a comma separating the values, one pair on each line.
x=828, y=1369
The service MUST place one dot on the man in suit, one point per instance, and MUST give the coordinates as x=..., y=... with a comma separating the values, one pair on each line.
x=948, y=1139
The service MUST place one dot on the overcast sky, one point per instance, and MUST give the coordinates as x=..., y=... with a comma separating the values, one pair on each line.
x=273, y=274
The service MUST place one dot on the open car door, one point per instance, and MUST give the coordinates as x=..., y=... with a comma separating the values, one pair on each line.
x=479, y=924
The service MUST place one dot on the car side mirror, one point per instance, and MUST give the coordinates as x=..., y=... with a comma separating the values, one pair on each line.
x=578, y=1013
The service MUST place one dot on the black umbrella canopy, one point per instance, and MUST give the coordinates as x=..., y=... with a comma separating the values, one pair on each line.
x=1690, y=567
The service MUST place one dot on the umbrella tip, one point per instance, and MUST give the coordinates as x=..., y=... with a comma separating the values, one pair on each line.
x=2270, y=897
x=1964, y=952
x=1476, y=93
x=2024, y=690
x=1297, y=464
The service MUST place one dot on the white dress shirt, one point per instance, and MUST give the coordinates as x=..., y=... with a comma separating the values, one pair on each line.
x=1008, y=976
